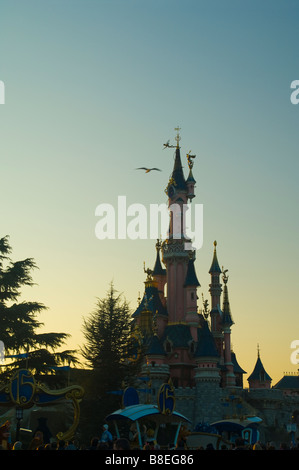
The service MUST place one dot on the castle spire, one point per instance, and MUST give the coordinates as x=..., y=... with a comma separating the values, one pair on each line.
x=174, y=255
x=191, y=278
x=215, y=268
x=259, y=377
x=190, y=181
x=227, y=322
x=215, y=286
x=215, y=291
x=177, y=177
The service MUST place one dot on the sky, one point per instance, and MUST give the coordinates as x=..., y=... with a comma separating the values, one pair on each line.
x=93, y=88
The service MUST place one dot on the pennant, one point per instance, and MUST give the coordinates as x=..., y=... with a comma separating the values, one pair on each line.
x=59, y=367
x=18, y=356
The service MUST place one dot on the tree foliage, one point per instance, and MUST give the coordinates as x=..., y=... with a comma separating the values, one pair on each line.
x=19, y=320
x=108, y=347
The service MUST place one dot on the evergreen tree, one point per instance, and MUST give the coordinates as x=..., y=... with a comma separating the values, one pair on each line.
x=19, y=322
x=109, y=348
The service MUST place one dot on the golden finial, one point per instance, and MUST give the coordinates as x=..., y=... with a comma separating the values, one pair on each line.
x=177, y=129
x=224, y=275
x=215, y=243
x=190, y=162
x=170, y=183
x=148, y=271
x=205, y=307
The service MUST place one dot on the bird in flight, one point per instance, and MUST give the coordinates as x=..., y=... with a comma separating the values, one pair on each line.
x=147, y=170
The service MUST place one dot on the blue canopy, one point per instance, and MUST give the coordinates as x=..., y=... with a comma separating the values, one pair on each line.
x=236, y=425
x=136, y=412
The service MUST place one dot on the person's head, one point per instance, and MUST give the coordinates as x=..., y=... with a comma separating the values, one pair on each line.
x=94, y=441
x=39, y=435
x=121, y=444
x=105, y=427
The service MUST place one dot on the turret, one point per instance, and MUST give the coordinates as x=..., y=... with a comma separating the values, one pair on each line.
x=150, y=312
x=190, y=286
x=190, y=181
x=174, y=255
x=227, y=322
x=259, y=377
x=215, y=291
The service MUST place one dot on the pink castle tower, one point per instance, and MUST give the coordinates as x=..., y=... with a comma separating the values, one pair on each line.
x=178, y=341
x=174, y=254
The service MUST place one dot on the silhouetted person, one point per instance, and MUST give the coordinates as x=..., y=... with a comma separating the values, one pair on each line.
x=121, y=444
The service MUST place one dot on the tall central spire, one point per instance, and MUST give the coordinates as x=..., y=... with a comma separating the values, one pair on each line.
x=177, y=173
x=178, y=138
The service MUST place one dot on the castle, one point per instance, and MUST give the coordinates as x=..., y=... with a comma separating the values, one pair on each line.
x=192, y=346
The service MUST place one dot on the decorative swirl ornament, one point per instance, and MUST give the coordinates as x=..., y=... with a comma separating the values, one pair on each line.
x=23, y=391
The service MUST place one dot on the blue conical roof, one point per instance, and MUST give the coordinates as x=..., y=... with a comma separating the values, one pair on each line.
x=206, y=346
x=158, y=270
x=215, y=268
x=177, y=173
x=151, y=301
x=155, y=347
x=191, y=278
x=259, y=372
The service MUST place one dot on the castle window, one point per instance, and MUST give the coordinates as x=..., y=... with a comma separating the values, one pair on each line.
x=168, y=346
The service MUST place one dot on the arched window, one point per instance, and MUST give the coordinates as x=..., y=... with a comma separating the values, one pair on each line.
x=192, y=347
x=168, y=346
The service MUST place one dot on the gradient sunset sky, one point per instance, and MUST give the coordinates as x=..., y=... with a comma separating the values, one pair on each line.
x=93, y=88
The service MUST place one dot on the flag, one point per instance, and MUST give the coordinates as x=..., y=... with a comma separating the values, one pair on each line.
x=18, y=356
x=59, y=367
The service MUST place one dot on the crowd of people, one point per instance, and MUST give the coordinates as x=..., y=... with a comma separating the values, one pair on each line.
x=124, y=444
x=107, y=442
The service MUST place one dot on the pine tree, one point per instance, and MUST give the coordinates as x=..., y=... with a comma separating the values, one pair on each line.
x=19, y=322
x=109, y=346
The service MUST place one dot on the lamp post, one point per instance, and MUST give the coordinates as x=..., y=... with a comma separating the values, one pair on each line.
x=19, y=416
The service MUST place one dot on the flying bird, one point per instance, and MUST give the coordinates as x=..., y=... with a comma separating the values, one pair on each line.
x=147, y=170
